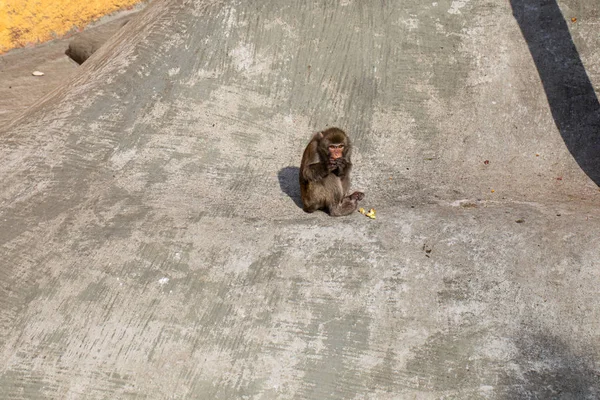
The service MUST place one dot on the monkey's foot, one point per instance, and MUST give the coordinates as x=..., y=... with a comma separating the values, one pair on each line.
x=357, y=196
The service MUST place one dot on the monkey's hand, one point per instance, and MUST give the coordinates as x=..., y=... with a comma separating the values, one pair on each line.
x=332, y=165
x=340, y=166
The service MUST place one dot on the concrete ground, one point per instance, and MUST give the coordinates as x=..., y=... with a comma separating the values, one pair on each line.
x=153, y=246
x=20, y=89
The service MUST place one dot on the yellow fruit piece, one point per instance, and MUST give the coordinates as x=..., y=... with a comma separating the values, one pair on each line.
x=362, y=211
x=371, y=214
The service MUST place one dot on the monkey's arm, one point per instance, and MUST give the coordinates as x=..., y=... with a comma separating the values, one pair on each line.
x=315, y=172
x=313, y=168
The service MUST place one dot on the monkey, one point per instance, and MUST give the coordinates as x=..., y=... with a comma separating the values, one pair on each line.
x=325, y=174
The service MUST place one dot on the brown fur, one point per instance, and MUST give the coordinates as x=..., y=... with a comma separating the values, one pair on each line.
x=325, y=177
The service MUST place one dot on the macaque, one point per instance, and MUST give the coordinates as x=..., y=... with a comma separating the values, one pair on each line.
x=325, y=174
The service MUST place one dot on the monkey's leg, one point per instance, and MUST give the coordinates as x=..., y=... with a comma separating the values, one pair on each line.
x=313, y=197
x=347, y=206
x=310, y=208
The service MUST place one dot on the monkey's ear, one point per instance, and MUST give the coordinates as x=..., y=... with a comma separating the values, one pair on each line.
x=318, y=136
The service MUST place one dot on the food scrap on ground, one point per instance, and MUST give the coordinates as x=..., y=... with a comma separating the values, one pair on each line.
x=370, y=213
x=37, y=73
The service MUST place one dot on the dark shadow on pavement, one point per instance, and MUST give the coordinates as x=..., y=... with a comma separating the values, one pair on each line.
x=288, y=181
x=549, y=369
x=570, y=93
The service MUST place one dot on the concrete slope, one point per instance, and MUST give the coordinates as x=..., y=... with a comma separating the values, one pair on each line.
x=19, y=89
x=152, y=240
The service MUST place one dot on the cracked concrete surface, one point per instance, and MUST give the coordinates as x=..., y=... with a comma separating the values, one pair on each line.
x=153, y=246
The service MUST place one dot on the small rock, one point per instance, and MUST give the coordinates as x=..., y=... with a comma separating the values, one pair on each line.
x=427, y=248
x=37, y=73
x=163, y=281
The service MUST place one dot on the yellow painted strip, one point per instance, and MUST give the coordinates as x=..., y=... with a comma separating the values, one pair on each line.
x=24, y=22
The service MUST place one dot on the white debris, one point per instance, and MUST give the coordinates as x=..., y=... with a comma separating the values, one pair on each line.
x=37, y=73
x=163, y=281
x=456, y=6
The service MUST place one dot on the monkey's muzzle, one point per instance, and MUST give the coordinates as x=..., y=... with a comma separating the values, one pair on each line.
x=335, y=153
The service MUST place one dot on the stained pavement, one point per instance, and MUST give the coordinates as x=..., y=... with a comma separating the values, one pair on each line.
x=153, y=246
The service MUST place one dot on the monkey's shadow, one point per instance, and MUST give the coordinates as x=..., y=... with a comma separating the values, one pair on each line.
x=289, y=184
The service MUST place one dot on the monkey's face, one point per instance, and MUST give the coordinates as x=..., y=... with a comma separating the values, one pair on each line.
x=335, y=151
